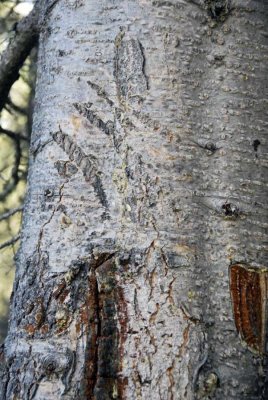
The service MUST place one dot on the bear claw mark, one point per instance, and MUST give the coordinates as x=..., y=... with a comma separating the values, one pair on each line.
x=129, y=67
x=87, y=163
x=101, y=92
x=94, y=119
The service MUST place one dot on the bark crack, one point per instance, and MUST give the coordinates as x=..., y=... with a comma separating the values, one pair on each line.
x=94, y=119
x=95, y=328
x=104, y=337
x=86, y=162
x=49, y=220
x=101, y=92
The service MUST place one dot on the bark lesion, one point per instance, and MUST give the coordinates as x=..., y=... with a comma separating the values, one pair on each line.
x=103, y=354
x=124, y=117
x=101, y=92
x=249, y=293
x=85, y=110
x=85, y=162
x=66, y=169
x=129, y=70
x=78, y=159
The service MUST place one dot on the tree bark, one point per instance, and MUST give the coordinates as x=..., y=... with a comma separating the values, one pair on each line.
x=146, y=185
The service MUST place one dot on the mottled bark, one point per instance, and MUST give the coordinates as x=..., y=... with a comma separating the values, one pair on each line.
x=146, y=183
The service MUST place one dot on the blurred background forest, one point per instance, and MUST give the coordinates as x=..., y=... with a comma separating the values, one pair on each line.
x=15, y=129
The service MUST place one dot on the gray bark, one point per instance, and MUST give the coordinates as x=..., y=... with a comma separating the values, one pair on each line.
x=146, y=182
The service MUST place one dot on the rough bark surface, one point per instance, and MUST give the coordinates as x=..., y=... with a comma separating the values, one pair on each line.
x=147, y=181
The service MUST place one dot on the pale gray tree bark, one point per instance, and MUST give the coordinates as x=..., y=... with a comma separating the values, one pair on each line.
x=146, y=183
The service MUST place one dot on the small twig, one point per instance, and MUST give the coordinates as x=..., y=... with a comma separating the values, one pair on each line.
x=10, y=242
x=10, y=213
x=13, y=135
x=14, y=179
x=14, y=55
x=10, y=106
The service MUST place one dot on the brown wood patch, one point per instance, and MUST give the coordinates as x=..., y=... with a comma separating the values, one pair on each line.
x=104, y=317
x=249, y=292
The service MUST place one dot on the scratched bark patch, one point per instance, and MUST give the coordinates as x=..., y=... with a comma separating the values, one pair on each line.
x=87, y=163
x=103, y=353
x=249, y=292
x=129, y=69
x=84, y=109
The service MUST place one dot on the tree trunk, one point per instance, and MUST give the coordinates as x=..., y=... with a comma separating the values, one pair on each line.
x=146, y=191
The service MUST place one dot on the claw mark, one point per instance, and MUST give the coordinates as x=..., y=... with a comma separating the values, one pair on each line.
x=87, y=163
x=101, y=92
x=94, y=119
x=129, y=69
x=99, y=190
x=38, y=145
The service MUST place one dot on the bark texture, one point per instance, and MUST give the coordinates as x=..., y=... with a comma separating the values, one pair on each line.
x=147, y=181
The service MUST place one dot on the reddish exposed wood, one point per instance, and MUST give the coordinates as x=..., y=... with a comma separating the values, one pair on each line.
x=90, y=319
x=249, y=292
x=104, y=317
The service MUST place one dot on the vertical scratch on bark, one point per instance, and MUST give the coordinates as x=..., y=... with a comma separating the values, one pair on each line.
x=92, y=322
x=101, y=92
x=105, y=321
x=86, y=162
x=99, y=190
x=49, y=220
x=129, y=65
x=84, y=109
x=122, y=317
x=171, y=380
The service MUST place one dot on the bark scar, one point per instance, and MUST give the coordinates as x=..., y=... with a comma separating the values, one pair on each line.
x=87, y=163
x=129, y=67
x=249, y=294
x=105, y=331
